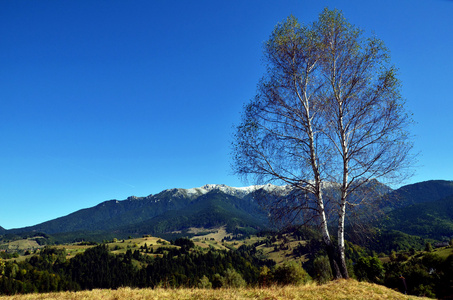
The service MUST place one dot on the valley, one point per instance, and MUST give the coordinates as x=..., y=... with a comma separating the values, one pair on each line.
x=138, y=236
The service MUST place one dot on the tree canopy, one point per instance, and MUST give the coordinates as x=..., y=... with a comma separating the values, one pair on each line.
x=328, y=111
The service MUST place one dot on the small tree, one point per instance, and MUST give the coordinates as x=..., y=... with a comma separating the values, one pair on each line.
x=328, y=112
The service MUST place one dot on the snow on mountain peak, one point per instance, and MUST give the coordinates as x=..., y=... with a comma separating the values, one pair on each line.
x=239, y=192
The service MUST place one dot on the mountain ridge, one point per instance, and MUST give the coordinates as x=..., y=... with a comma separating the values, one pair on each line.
x=111, y=214
x=177, y=208
x=419, y=192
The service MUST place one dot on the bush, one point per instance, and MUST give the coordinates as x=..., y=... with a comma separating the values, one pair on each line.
x=290, y=273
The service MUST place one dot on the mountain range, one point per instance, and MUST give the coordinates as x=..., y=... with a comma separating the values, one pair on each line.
x=424, y=209
x=167, y=211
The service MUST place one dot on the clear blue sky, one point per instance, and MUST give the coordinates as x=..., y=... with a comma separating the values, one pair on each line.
x=107, y=99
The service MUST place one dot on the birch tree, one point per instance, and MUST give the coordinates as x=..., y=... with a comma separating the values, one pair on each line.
x=328, y=111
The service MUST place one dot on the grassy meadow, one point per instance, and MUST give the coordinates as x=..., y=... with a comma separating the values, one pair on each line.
x=340, y=289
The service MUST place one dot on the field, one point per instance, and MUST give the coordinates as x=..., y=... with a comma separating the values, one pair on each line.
x=341, y=289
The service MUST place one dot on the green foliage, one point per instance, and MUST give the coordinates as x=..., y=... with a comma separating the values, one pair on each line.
x=186, y=266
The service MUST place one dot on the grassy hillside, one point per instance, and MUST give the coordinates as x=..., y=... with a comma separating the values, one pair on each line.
x=341, y=289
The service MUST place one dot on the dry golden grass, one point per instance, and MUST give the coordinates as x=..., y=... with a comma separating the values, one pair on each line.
x=341, y=289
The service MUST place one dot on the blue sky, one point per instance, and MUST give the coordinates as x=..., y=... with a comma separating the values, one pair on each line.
x=107, y=99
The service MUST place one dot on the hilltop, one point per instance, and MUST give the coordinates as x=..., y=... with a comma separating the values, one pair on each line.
x=341, y=289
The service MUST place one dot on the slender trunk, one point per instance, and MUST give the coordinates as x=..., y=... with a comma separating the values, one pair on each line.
x=330, y=247
x=341, y=247
x=332, y=254
x=344, y=191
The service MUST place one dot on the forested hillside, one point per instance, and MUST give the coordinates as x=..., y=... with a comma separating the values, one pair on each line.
x=206, y=263
x=431, y=220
